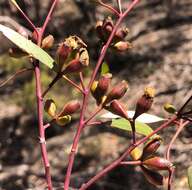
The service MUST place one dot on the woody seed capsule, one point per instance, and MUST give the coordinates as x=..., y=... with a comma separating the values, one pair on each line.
x=151, y=147
x=47, y=42
x=145, y=102
x=152, y=176
x=121, y=34
x=103, y=84
x=117, y=108
x=157, y=163
x=122, y=46
x=70, y=108
x=117, y=92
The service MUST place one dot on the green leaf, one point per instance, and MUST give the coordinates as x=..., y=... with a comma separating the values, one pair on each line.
x=141, y=128
x=189, y=173
x=104, y=68
x=27, y=46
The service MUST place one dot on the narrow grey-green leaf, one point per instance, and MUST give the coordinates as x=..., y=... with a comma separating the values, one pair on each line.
x=141, y=128
x=28, y=46
x=189, y=173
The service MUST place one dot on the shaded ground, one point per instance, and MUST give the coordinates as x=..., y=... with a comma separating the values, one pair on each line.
x=161, y=57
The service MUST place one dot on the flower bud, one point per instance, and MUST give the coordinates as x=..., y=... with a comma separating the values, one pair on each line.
x=169, y=108
x=151, y=147
x=47, y=42
x=62, y=54
x=100, y=88
x=121, y=34
x=17, y=52
x=73, y=67
x=157, y=163
x=103, y=84
x=117, y=92
x=117, y=108
x=136, y=153
x=34, y=36
x=122, y=46
x=50, y=107
x=145, y=102
x=70, y=50
x=70, y=108
x=63, y=120
x=152, y=176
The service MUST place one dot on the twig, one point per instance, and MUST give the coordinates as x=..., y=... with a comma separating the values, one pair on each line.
x=180, y=128
x=15, y=75
x=86, y=95
x=73, y=83
x=115, y=163
x=110, y=8
x=81, y=80
x=53, y=82
x=26, y=18
x=137, y=163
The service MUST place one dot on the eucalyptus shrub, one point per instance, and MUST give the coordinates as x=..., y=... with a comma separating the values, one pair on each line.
x=71, y=58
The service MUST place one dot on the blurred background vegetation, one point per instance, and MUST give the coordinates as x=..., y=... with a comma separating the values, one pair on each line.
x=161, y=33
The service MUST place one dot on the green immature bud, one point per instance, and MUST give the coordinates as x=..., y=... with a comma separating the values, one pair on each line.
x=70, y=108
x=121, y=34
x=117, y=108
x=136, y=153
x=117, y=92
x=17, y=53
x=151, y=147
x=157, y=163
x=50, y=107
x=63, y=120
x=145, y=102
x=47, y=42
x=122, y=46
x=170, y=108
x=153, y=177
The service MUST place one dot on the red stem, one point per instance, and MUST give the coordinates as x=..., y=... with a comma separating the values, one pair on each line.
x=110, y=8
x=135, y=163
x=15, y=75
x=116, y=163
x=41, y=127
x=86, y=95
x=180, y=128
x=40, y=105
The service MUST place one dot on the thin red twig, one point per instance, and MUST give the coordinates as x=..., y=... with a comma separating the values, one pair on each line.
x=15, y=75
x=86, y=95
x=116, y=163
x=180, y=128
